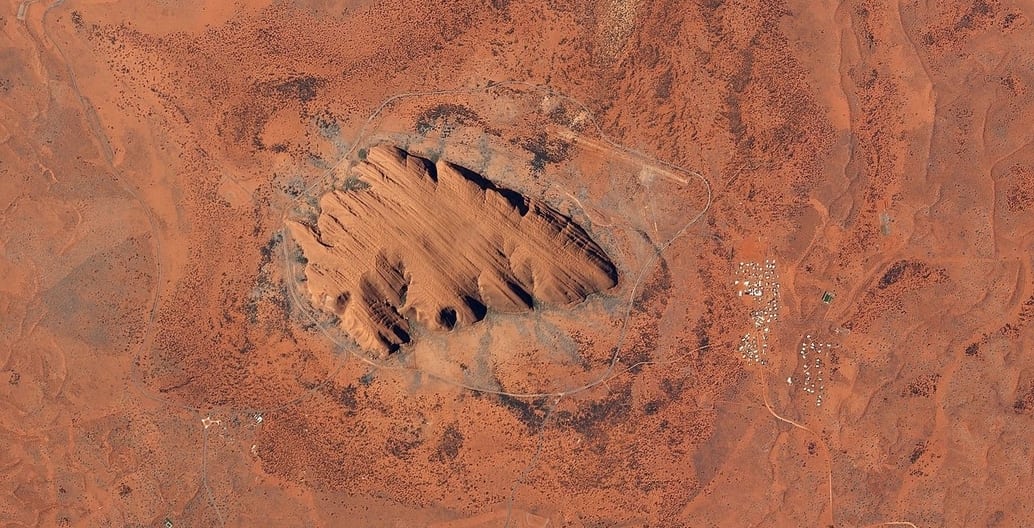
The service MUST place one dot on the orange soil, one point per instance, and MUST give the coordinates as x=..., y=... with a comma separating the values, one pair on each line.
x=159, y=358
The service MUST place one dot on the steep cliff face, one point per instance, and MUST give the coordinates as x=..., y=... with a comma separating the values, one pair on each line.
x=441, y=245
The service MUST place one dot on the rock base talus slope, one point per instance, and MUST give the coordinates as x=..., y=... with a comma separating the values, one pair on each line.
x=441, y=245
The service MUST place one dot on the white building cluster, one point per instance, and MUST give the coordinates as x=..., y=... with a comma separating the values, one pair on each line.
x=761, y=282
x=813, y=367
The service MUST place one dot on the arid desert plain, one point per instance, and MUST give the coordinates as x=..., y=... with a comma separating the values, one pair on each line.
x=517, y=263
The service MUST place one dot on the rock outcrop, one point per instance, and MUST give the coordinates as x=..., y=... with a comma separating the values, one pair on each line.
x=440, y=245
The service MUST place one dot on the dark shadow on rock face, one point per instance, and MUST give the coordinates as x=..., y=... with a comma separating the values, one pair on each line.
x=439, y=245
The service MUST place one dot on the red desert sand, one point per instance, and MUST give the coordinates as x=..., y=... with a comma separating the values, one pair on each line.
x=516, y=263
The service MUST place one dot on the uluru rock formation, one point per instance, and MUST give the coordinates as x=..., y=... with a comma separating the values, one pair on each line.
x=441, y=245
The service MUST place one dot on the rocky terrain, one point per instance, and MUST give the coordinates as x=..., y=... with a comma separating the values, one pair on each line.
x=438, y=244
x=818, y=214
